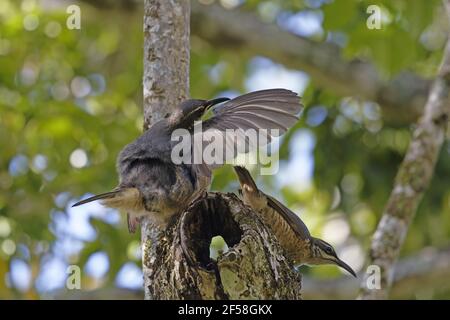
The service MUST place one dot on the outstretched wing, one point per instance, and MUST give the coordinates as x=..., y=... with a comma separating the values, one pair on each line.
x=265, y=109
x=262, y=114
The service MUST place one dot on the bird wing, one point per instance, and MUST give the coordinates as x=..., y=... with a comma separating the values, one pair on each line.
x=265, y=109
x=290, y=217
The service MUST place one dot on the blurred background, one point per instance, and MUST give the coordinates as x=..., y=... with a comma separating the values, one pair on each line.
x=71, y=99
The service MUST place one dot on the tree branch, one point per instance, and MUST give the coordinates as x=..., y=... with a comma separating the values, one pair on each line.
x=412, y=180
x=401, y=99
x=425, y=271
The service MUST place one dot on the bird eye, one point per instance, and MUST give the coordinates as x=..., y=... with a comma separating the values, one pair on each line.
x=328, y=250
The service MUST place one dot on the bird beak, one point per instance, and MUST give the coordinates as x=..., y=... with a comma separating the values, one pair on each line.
x=106, y=195
x=345, y=266
x=213, y=102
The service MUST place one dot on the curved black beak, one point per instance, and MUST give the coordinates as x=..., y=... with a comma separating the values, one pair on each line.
x=345, y=266
x=106, y=195
x=213, y=102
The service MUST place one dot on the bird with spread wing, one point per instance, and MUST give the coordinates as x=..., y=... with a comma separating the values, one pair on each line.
x=152, y=184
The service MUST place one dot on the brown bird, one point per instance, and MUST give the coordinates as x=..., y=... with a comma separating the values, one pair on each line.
x=291, y=232
x=152, y=184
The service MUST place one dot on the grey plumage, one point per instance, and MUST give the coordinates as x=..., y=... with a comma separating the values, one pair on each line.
x=162, y=188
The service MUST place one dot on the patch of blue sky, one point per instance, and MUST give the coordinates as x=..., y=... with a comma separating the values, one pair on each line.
x=52, y=274
x=97, y=265
x=265, y=74
x=306, y=23
x=298, y=170
x=20, y=275
x=130, y=276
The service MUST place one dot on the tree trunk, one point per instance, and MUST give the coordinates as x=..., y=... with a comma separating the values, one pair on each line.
x=165, y=84
x=176, y=261
x=166, y=57
x=254, y=267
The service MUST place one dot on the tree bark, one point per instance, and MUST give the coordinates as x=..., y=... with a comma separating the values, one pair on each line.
x=411, y=182
x=166, y=57
x=165, y=84
x=253, y=268
x=176, y=261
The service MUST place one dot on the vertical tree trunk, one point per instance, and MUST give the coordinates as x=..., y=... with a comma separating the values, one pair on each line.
x=166, y=57
x=165, y=84
x=412, y=180
x=176, y=261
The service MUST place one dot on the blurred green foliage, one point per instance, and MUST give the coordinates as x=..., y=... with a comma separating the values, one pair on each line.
x=70, y=99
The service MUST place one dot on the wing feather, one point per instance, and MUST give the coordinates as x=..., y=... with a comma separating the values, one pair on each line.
x=265, y=109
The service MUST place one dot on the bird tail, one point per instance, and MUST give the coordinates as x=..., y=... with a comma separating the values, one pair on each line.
x=245, y=178
x=107, y=195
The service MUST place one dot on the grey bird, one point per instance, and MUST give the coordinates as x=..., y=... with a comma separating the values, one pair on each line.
x=292, y=234
x=151, y=184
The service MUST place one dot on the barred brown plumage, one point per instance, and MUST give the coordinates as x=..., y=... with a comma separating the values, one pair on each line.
x=290, y=230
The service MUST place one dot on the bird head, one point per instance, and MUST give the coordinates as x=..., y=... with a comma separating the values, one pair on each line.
x=324, y=253
x=191, y=110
